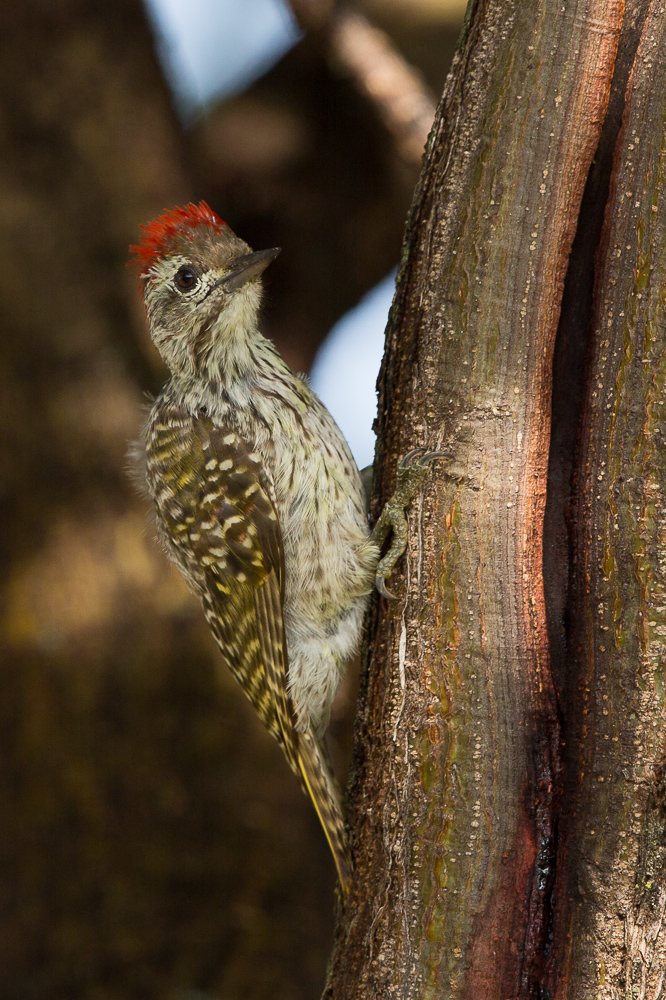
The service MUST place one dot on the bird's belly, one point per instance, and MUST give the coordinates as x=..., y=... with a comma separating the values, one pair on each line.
x=330, y=566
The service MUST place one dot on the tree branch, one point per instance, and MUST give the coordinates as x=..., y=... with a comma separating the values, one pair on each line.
x=397, y=90
x=368, y=55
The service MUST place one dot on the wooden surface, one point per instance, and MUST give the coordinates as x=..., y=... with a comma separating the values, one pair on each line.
x=457, y=742
x=611, y=892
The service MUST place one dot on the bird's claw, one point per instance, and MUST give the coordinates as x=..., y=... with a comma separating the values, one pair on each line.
x=382, y=588
x=411, y=471
x=426, y=457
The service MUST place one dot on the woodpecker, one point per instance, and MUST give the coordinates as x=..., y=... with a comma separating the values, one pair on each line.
x=258, y=500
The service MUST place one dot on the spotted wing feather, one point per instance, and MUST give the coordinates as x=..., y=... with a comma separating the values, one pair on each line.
x=218, y=514
x=220, y=524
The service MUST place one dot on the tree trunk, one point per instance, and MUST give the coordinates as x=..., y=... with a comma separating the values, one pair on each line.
x=609, y=933
x=455, y=793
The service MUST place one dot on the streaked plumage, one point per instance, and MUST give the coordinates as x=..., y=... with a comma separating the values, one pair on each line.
x=258, y=499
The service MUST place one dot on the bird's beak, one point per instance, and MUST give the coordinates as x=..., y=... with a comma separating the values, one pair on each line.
x=245, y=268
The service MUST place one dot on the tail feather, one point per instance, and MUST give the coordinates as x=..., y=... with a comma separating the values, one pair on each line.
x=321, y=787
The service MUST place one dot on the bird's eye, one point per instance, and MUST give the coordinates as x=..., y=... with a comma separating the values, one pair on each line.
x=186, y=279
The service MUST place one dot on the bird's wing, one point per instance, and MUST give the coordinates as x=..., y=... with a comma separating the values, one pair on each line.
x=220, y=516
x=236, y=538
x=218, y=507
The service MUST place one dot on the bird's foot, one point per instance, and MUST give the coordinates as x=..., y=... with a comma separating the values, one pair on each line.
x=411, y=471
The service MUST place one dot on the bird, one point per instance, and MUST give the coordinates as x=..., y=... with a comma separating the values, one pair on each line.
x=257, y=497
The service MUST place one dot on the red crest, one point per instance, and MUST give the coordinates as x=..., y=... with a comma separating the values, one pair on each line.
x=160, y=235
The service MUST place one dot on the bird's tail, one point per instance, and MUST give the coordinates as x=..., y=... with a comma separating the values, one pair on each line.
x=320, y=785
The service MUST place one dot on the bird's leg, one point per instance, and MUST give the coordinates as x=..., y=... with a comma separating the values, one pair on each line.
x=411, y=471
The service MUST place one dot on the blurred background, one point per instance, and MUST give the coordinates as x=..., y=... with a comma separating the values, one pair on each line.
x=153, y=842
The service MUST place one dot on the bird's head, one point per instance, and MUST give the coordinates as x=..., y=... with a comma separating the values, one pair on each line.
x=200, y=283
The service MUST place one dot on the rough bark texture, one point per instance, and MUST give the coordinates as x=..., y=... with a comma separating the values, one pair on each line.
x=457, y=747
x=611, y=883
x=571, y=361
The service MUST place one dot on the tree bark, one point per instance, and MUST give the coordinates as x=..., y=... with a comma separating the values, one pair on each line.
x=457, y=755
x=611, y=870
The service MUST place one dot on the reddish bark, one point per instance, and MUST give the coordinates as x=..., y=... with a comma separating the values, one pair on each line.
x=457, y=745
x=609, y=934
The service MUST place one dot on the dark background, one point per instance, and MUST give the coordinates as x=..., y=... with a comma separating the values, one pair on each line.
x=153, y=842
